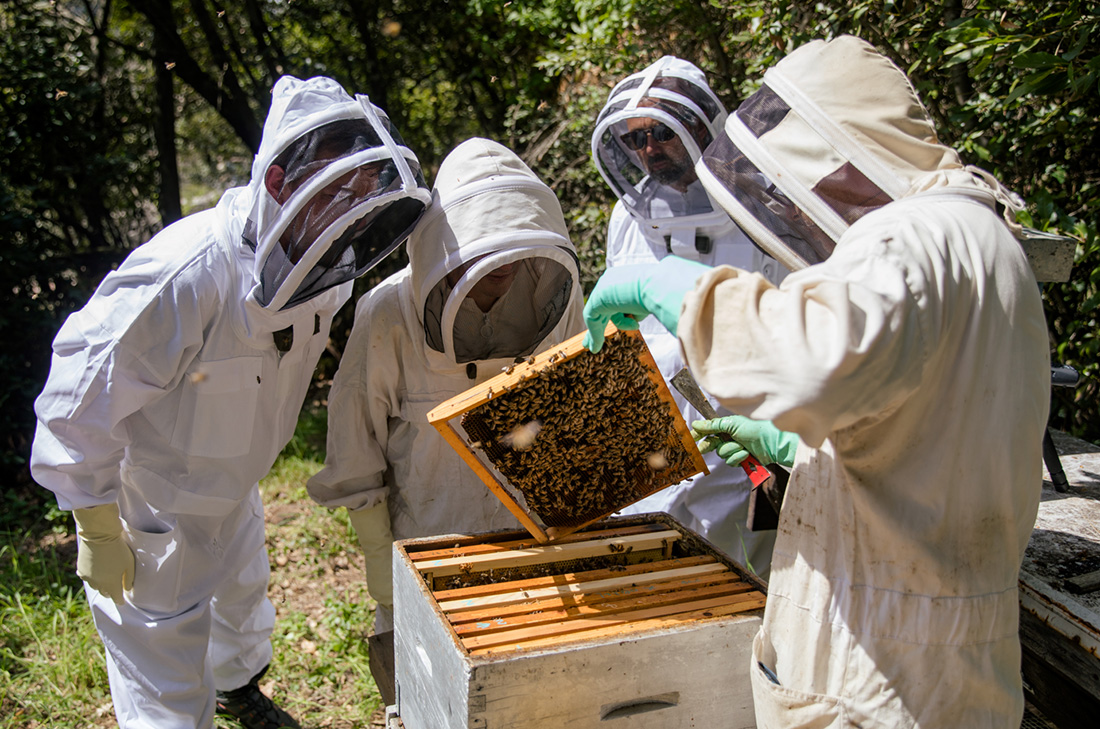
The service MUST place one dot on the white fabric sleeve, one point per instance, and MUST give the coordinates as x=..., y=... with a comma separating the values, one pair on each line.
x=360, y=404
x=616, y=233
x=122, y=351
x=834, y=343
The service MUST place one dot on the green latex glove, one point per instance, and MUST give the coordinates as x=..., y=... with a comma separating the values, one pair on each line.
x=758, y=438
x=103, y=559
x=372, y=527
x=626, y=294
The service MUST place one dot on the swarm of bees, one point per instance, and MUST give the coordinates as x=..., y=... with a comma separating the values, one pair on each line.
x=583, y=437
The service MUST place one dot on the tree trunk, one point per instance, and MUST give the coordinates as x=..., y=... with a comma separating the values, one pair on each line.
x=960, y=76
x=222, y=93
x=164, y=131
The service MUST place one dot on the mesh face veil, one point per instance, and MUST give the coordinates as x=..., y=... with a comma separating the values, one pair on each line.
x=647, y=140
x=835, y=131
x=536, y=282
x=350, y=193
x=492, y=271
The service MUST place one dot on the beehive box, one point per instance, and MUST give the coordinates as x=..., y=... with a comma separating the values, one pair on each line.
x=633, y=618
x=569, y=437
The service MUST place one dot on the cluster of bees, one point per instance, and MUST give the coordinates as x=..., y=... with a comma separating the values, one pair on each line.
x=582, y=437
x=527, y=572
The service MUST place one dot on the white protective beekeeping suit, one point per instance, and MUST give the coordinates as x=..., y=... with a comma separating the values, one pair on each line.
x=912, y=360
x=418, y=340
x=653, y=218
x=174, y=389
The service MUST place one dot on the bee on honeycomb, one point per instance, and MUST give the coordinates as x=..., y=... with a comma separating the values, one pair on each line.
x=583, y=437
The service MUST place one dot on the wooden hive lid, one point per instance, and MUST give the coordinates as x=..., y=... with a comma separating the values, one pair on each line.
x=568, y=437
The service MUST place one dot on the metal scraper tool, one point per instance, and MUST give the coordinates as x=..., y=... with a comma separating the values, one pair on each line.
x=772, y=483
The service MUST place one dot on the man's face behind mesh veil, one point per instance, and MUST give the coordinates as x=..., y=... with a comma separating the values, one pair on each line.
x=311, y=154
x=344, y=202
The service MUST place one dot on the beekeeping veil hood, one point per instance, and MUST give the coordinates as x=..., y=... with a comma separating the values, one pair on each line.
x=490, y=211
x=653, y=173
x=835, y=131
x=347, y=191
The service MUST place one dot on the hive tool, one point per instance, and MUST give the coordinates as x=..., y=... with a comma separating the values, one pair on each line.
x=769, y=484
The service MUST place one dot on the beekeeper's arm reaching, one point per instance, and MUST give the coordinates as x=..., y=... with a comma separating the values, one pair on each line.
x=627, y=294
x=358, y=439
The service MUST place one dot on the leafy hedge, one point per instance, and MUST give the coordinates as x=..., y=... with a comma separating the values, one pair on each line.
x=1014, y=86
x=96, y=100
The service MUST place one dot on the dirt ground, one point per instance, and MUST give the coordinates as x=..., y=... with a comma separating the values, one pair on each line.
x=296, y=587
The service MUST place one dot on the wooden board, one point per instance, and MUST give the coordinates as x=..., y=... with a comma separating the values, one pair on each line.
x=478, y=561
x=380, y=655
x=576, y=592
x=1049, y=255
x=504, y=546
x=616, y=626
x=1082, y=584
x=569, y=578
x=1059, y=613
x=511, y=613
x=445, y=416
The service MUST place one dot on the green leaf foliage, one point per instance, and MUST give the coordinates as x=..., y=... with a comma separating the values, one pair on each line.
x=1013, y=84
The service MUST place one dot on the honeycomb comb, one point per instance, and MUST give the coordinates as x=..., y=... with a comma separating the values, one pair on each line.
x=574, y=436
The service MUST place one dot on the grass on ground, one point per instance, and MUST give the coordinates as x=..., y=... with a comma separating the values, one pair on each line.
x=52, y=670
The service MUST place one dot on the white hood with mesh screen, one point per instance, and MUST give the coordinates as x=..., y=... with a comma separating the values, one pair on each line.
x=490, y=210
x=835, y=131
x=352, y=192
x=670, y=98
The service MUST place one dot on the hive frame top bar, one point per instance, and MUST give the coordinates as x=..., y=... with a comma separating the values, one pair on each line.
x=443, y=416
x=502, y=585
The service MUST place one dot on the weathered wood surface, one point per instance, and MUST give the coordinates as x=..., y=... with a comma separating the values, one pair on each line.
x=1065, y=543
x=1050, y=256
x=1060, y=626
x=380, y=653
x=1083, y=584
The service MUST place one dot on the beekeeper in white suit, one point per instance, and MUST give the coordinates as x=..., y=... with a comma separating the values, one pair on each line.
x=174, y=389
x=492, y=277
x=906, y=362
x=647, y=139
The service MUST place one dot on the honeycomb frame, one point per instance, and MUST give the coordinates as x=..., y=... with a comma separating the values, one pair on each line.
x=613, y=438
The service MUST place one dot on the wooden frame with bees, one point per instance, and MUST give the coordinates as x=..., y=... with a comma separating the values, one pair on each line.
x=567, y=437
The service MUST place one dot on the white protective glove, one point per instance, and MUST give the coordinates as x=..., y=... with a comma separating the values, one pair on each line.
x=372, y=526
x=103, y=559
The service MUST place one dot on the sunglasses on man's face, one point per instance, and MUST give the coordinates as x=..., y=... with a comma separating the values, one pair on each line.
x=636, y=138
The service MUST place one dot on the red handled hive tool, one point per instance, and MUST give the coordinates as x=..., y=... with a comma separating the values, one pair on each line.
x=771, y=481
